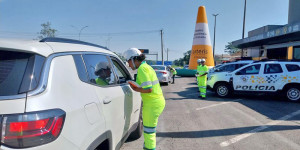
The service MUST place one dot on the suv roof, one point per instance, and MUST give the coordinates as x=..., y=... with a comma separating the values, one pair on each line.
x=274, y=60
x=240, y=61
x=48, y=46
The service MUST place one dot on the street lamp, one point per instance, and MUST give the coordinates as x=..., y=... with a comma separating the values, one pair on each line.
x=81, y=30
x=215, y=15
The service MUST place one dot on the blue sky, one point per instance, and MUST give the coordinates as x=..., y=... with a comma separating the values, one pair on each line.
x=134, y=18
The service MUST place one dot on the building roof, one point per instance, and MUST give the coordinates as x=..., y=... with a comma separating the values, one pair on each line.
x=287, y=33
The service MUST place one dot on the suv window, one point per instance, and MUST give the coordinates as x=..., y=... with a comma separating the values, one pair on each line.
x=292, y=67
x=272, y=68
x=226, y=68
x=19, y=72
x=82, y=74
x=120, y=71
x=237, y=66
x=99, y=70
x=253, y=69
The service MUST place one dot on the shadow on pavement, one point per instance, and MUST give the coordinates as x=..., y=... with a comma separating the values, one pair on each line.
x=223, y=132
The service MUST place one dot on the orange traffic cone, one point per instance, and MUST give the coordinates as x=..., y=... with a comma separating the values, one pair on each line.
x=201, y=44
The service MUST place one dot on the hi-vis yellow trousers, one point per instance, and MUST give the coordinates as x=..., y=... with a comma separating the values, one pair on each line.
x=202, y=85
x=151, y=112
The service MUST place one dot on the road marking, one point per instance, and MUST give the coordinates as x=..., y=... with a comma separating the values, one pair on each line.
x=214, y=105
x=252, y=132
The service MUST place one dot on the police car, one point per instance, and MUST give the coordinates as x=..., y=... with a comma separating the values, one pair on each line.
x=282, y=77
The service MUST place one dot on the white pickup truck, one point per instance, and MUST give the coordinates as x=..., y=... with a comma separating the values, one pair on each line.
x=280, y=77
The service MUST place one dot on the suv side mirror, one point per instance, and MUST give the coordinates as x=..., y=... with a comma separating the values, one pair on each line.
x=238, y=73
x=122, y=80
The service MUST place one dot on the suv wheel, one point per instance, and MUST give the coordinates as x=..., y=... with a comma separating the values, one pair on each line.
x=137, y=133
x=292, y=93
x=223, y=90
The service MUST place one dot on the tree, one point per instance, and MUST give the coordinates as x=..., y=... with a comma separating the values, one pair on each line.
x=231, y=49
x=46, y=31
x=184, y=60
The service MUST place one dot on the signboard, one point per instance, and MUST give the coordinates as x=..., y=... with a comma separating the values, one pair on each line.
x=166, y=63
x=144, y=51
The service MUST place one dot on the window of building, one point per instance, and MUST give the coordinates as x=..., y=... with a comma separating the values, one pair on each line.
x=296, y=53
x=99, y=70
x=277, y=53
x=272, y=68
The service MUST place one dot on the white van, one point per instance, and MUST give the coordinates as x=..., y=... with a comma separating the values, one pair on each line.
x=49, y=98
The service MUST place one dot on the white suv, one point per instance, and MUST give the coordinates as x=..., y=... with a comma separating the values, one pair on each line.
x=49, y=98
x=281, y=77
x=231, y=66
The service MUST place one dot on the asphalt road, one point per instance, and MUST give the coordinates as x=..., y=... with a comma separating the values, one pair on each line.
x=242, y=122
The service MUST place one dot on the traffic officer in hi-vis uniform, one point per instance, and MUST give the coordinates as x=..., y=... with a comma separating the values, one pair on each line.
x=202, y=71
x=151, y=93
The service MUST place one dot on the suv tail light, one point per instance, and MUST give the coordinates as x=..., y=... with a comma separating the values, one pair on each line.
x=31, y=129
x=163, y=72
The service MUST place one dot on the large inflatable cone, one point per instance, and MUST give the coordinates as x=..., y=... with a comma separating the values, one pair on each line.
x=201, y=44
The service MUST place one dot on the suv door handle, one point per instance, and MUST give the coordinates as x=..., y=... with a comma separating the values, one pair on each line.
x=106, y=101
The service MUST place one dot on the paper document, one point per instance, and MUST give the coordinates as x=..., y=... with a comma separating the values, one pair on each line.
x=134, y=84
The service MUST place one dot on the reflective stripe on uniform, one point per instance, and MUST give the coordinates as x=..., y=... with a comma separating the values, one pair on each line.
x=148, y=148
x=149, y=130
x=204, y=87
x=149, y=83
x=146, y=83
x=155, y=82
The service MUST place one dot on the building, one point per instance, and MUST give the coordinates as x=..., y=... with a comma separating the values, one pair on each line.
x=274, y=41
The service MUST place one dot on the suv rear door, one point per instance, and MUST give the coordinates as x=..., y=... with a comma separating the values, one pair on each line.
x=19, y=74
x=272, y=76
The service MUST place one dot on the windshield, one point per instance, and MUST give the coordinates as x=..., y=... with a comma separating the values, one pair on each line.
x=158, y=67
x=19, y=72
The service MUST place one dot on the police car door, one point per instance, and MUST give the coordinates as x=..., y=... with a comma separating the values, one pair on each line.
x=247, y=78
x=272, y=76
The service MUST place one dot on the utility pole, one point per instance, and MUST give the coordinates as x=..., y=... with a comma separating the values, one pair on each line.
x=167, y=54
x=215, y=34
x=244, y=20
x=162, y=47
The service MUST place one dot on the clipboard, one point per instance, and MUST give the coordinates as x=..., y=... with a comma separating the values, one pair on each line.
x=134, y=84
